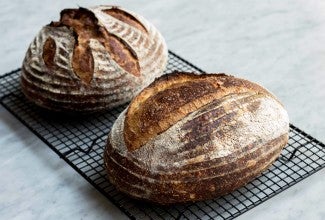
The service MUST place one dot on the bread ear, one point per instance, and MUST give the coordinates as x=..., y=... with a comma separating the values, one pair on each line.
x=92, y=59
x=210, y=150
x=174, y=96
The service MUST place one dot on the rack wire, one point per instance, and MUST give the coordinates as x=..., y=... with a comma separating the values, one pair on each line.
x=81, y=141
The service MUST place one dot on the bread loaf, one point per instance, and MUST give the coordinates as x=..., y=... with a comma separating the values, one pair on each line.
x=92, y=59
x=191, y=137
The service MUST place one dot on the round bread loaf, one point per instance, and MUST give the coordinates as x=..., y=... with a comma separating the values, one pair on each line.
x=191, y=137
x=92, y=59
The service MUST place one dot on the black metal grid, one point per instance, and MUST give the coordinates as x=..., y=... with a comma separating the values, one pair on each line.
x=81, y=141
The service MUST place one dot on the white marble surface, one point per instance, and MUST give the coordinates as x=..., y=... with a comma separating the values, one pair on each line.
x=279, y=44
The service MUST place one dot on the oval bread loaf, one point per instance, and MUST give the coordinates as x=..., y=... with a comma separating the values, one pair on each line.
x=191, y=137
x=92, y=59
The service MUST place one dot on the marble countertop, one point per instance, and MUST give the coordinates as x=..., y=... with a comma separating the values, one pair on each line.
x=278, y=44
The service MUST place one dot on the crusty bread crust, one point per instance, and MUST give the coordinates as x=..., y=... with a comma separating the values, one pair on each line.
x=208, y=150
x=92, y=59
x=172, y=97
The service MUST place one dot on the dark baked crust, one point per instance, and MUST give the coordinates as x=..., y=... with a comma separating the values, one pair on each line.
x=90, y=60
x=49, y=50
x=173, y=96
x=209, y=150
x=85, y=26
x=235, y=171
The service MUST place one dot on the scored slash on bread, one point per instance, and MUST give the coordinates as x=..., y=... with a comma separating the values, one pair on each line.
x=174, y=96
x=92, y=59
x=189, y=137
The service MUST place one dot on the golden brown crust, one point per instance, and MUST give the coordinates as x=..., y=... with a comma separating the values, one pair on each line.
x=90, y=60
x=83, y=63
x=49, y=49
x=85, y=25
x=123, y=55
x=209, y=151
x=171, y=97
x=185, y=185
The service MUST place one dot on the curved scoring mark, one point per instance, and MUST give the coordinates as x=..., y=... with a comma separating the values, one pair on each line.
x=166, y=102
x=83, y=63
x=125, y=17
x=48, y=55
x=85, y=26
x=122, y=54
x=164, y=108
x=170, y=98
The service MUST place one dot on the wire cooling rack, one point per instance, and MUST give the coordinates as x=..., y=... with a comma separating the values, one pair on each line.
x=81, y=141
